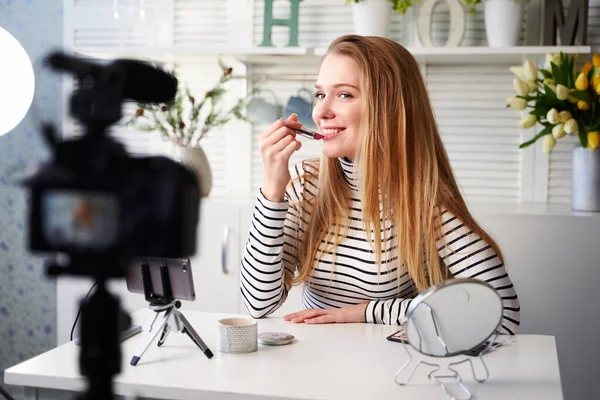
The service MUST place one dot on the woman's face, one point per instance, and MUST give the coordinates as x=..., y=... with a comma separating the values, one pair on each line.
x=338, y=105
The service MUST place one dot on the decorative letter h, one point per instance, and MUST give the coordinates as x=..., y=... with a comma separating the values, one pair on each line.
x=292, y=23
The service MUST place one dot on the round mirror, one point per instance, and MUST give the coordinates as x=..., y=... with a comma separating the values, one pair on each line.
x=17, y=82
x=453, y=318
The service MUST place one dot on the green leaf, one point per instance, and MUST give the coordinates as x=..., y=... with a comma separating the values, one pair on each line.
x=582, y=95
x=559, y=76
x=582, y=133
x=546, y=74
x=542, y=133
x=591, y=74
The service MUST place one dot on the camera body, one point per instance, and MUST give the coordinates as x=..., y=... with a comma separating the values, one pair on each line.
x=129, y=207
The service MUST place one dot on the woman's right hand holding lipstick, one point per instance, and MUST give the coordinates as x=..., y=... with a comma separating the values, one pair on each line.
x=277, y=144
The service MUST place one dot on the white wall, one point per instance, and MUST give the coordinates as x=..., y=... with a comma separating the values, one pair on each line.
x=554, y=262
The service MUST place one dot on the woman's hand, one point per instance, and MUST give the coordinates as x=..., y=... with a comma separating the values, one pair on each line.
x=355, y=313
x=277, y=144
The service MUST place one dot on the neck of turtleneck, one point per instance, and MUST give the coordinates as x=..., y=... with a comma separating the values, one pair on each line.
x=350, y=173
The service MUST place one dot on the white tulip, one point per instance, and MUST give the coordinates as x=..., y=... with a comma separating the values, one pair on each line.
x=517, y=103
x=549, y=143
x=553, y=116
x=530, y=71
x=527, y=122
x=565, y=116
x=562, y=92
x=521, y=86
x=533, y=87
x=558, y=131
x=555, y=58
x=519, y=72
x=549, y=82
x=571, y=126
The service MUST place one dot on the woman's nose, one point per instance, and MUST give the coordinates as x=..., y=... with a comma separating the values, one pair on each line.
x=323, y=110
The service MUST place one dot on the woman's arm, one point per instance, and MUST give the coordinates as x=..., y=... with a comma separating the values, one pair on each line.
x=472, y=258
x=270, y=252
x=469, y=256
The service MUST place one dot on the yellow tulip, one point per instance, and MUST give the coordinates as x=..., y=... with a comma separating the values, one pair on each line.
x=595, y=80
x=527, y=121
x=597, y=88
x=586, y=68
x=517, y=103
x=583, y=106
x=571, y=126
x=596, y=60
x=581, y=83
x=558, y=131
x=562, y=92
x=553, y=116
x=572, y=100
x=593, y=140
x=565, y=116
x=549, y=143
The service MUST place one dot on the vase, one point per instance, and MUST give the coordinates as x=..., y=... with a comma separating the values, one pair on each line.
x=372, y=17
x=503, y=22
x=585, y=179
x=195, y=159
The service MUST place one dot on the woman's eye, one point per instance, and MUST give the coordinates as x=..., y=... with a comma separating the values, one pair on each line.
x=345, y=95
x=319, y=95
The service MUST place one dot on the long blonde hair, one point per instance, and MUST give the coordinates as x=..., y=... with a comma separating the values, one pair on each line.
x=405, y=176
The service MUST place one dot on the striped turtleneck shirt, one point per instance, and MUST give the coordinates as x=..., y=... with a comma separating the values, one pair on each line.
x=354, y=278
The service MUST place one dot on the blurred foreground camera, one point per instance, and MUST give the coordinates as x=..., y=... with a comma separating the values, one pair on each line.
x=99, y=208
x=94, y=201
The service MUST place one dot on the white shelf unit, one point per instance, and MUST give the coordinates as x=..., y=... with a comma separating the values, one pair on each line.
x=304, y=55
x=483, y=55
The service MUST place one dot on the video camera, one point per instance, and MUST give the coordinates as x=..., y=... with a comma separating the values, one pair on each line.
x=98, y=207
x=93, y=200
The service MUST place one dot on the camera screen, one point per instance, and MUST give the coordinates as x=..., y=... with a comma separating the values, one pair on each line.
x=85, y=220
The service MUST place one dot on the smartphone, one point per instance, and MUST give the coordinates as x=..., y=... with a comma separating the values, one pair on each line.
x=399, y=336
x=180, y=275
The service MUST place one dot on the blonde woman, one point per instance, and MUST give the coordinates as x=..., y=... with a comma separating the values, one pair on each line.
x=379, y=218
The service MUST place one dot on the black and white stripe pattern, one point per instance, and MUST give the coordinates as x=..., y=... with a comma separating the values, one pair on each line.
x=270, y=252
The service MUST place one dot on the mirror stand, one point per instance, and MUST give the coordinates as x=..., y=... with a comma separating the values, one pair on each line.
x=454, y=377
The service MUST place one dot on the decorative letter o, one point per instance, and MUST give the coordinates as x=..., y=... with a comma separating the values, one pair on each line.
x=457, y=22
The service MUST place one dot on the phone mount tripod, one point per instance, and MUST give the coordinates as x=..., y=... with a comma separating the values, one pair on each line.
x=166, y=316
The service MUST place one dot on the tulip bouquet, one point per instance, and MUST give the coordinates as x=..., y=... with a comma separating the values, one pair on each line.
x=561, y=100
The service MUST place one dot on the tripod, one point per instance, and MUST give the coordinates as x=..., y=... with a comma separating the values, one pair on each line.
x=166, y=318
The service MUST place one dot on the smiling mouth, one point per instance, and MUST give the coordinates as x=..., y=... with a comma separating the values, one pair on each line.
x=331, y=133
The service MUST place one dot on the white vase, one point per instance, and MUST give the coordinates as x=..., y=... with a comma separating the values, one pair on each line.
x=195, y=158
x=503, y=22
x=585, y=179
x=372, y=17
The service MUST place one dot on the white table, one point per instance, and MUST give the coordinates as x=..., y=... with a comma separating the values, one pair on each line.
x=343, y=361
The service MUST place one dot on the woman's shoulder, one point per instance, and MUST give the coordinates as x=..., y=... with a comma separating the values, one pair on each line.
x=305, y=175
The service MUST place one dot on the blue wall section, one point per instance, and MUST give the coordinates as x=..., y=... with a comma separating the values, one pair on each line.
x=27, y=297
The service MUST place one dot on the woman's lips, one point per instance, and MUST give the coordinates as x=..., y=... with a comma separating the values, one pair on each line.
x=331, y=133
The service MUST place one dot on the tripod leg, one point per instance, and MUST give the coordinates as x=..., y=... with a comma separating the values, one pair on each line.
x=163, y=336
x=191, y=332
x=149, y=334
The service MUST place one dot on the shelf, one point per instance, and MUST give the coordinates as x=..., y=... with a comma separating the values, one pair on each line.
x=483, y=55
x=303, y=55
x=255, y=54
